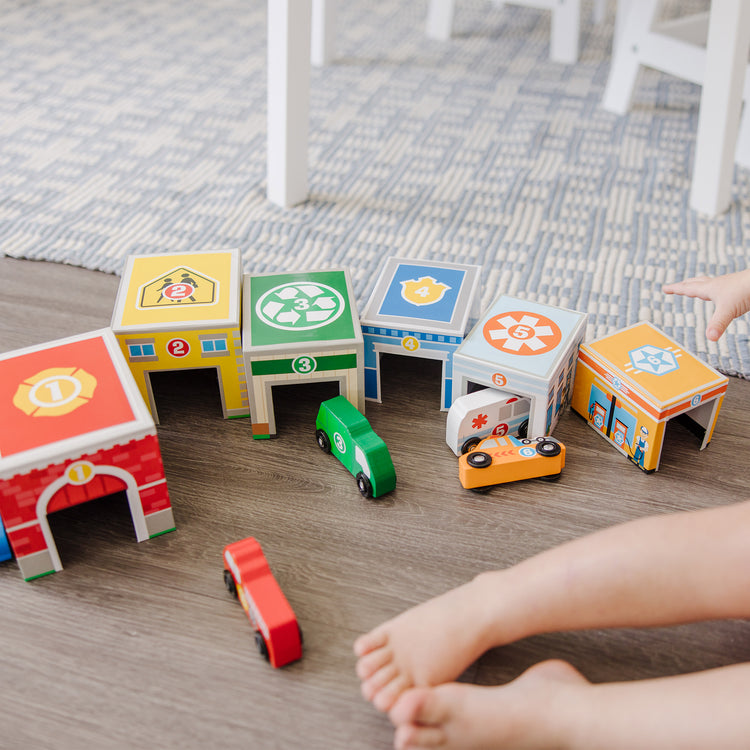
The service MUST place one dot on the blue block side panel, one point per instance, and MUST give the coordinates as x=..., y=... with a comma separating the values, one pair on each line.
x=447, y=393
x=371, y=383
x=5, y=553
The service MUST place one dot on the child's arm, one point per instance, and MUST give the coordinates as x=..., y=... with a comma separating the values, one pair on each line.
x=729, y=293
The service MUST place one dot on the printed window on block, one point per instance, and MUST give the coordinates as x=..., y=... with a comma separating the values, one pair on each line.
x=214, y=346
x=142, y=350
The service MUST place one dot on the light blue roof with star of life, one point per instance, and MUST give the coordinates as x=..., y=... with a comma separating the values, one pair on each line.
x=525, y=335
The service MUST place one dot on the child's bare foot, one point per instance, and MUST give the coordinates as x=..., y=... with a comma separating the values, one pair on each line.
x=427, y=645
x=520, y=715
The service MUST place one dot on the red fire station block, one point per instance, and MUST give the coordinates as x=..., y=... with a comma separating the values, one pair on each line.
x=75, y=428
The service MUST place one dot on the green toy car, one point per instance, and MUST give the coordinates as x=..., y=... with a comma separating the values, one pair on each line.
x=340, y=429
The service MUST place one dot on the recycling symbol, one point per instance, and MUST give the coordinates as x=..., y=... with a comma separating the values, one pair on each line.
x=653, y=360
x=300, y=306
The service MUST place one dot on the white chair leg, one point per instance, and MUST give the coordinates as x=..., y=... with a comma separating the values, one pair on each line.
x=289, y=29
x=440, y=19
x=599, y=13
x=323, y=39
x=623, y=6
x=566, y=26
x=623, y=70
x=742, y=157
x=721, y=102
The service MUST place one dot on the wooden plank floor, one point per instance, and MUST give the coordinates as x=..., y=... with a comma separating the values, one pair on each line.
x=139, y=645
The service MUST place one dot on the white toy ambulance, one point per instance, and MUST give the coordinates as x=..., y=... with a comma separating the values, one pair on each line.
x=483, y=413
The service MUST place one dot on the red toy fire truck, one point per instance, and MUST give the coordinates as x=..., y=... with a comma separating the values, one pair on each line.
x=248, y=576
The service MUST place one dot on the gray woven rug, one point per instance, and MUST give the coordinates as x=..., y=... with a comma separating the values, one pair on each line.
x=138, y=126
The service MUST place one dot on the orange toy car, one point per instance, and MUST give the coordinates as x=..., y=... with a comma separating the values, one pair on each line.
x=248, y=577
x=497, y=460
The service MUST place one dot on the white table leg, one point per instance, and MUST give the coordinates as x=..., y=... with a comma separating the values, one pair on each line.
x=721, y=101
x=323, y=32
x=289, y=30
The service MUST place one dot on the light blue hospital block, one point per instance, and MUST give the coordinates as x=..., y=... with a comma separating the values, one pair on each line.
x=525, y=348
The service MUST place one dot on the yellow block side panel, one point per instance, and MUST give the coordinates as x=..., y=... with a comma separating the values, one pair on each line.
x=162, y=351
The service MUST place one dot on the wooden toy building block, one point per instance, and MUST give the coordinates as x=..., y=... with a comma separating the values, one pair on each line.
x=300, y=328
x=182, y=311
x=630, y=384
x=75, y=429
x=418, y=309
x=247, y=575
x=527, y=349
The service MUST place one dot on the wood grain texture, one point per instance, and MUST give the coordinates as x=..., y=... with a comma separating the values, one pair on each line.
x=139, y=645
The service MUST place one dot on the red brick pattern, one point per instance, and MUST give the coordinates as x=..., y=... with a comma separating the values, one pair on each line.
x=19, y=495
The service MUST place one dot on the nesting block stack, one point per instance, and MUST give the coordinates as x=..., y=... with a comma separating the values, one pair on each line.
x=527, y=349
x=300, y=328
x=630, y=384
x=182, y=311
x=75, y=429
x=418, y=309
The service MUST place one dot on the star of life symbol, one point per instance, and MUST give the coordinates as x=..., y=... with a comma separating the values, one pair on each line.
x=423, y=291
x=653, y=359
x=522, y=333
x=479, y=421
x=300, y=305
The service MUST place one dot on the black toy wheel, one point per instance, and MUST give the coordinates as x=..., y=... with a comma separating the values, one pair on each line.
x=470, y=444
x=230, y=584
x=260, y=644
x=548, y=448
x=479, y=459
x=552, y=477
x=482, y=490
x=324, y=442
x=523, y=430
x=364, y=485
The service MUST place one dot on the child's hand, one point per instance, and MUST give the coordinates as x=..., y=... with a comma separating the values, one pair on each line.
x=729, y=293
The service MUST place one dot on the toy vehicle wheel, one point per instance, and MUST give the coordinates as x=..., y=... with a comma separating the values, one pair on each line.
x=470, y=444
x=482, y=490
x=364, y=485
x=261, y=645
x=548, y=448
x=230, y=584
x=552, y=477
x=324, y=442
x=479, y=459
x=523, y=430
